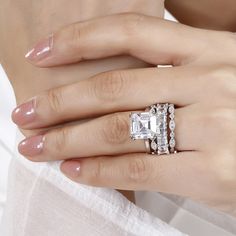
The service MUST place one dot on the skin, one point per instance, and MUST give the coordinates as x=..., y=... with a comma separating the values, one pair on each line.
x=33, y=23
x=202, y=84
x=27, y=21
x=33, y=20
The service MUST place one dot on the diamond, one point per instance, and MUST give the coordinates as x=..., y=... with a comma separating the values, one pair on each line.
x=154, y=145
x=172, y=143
x=163, y=150
x=162, y=140
x=162, y=109
x=171, y=108
x=172, y=125
x=172, y=134
x=172, y=116
x=143, y=125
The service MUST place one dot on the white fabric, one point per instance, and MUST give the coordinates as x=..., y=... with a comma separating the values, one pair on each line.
x=41, y=201
x=186, y=215
x=7, y=133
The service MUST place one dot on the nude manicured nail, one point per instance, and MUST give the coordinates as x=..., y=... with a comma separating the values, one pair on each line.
x=32, y=146
x=71, y=168
x=25, y=113
x=40, y=50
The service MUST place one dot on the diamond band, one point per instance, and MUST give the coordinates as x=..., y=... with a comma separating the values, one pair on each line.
x=162, y=134
x=172, y=128
x=156, y=126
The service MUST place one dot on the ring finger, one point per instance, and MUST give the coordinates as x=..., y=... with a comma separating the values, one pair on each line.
x=108, y=135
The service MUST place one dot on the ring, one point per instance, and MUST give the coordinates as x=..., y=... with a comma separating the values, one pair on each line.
x=156, y=126
x=172, y=142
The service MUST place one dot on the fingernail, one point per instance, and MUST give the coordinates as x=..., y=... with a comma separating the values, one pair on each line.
x=32, y=146
x=40, y=50
x=25, y=113
x=71, y=168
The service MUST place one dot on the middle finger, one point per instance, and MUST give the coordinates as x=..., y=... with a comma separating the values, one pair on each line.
x=111, y=92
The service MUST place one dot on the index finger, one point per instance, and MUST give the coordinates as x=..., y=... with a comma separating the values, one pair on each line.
x=151, y=39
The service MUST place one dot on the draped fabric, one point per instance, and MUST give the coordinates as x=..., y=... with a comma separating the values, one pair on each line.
x=42, y=201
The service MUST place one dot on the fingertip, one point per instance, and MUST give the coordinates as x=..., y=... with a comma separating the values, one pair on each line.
x=24, y=114
x=40, y=52
x=32, y=146
x=71, y=168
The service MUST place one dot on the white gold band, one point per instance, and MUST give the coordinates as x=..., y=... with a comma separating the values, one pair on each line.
x=172, y=141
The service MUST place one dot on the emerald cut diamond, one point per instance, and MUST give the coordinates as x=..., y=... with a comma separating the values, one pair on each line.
x=143, y=125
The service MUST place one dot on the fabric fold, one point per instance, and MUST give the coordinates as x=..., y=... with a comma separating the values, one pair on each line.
x=42, y=201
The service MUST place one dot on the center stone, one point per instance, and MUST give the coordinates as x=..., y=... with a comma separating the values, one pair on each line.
x=143, y=125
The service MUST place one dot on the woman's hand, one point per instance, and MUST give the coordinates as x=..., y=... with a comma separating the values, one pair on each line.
x=29, y=20
x=202, y=84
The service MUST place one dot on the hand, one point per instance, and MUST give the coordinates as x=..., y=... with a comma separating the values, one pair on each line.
x=38, y=18
x=202, y=84
x=28, y=21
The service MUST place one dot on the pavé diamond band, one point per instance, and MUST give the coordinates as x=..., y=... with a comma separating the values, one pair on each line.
x=172, y=142
x=156, y=126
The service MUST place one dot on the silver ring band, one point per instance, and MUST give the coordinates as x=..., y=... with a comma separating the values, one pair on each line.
x=172, y=141
x=162, y=129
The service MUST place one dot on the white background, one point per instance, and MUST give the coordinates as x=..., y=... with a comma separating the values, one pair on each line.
x=7, y=133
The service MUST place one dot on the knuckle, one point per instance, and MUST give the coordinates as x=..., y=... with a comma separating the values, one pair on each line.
x=131, y=23
x=222, y=119
x=75, y=32
x=55, y=100
x=110, y=86
x=61, y=139
x=137, y=170
x=225, y=80
x=223, y=170
x=76, y=35
x=116, y=129
x=94, y=175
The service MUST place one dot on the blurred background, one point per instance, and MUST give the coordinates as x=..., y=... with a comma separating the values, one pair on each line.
x=7, y=133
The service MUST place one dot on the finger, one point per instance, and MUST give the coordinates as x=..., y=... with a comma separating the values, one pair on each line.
x=110, y=135
x=170, y=174
x=114, y=92
x=163, y=42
